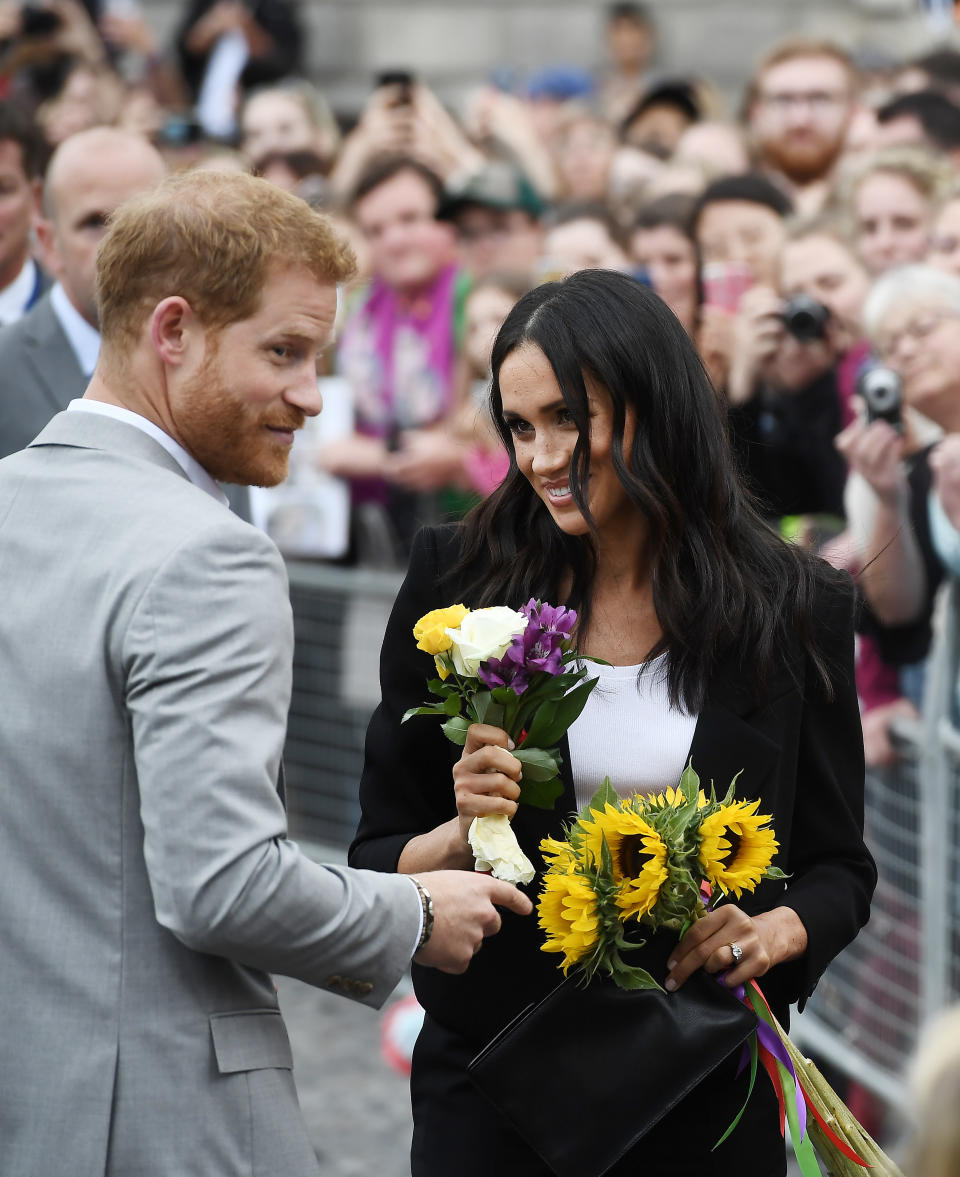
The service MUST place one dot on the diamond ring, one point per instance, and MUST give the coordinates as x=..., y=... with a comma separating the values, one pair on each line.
x=737, y=952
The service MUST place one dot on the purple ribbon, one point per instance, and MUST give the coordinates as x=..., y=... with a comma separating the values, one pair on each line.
x=771, y=1041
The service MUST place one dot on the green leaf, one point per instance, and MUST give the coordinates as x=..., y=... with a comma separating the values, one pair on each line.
x=572, y=704
x=436, y=686
x=479, y=705
x=456, y=730
x=426, y=709
x=690, y=781
x=541, y=794
x=451, y=706
x=502, y=695
x=605, y=795
x=538, y=764
x=632, y=976
x=540, y=730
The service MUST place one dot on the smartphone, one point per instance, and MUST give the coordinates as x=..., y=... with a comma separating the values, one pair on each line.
x=725, y=284
x=401, y=81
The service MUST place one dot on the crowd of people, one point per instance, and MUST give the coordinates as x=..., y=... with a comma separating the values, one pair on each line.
x=808, y=245
x=778, y=237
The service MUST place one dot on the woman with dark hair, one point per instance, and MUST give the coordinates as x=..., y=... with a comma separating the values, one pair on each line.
x=725, y=646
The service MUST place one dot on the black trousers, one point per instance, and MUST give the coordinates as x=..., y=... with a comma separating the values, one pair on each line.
x=457, y=1133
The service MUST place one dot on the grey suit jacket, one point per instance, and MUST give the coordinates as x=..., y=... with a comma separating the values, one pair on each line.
x=39, y=375
x=147, y=886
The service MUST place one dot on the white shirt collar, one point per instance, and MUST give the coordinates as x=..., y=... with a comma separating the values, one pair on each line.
x=15, y=297
x=83, y=339
x=187, y=462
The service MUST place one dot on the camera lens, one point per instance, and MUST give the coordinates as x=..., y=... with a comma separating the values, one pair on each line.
x=805, y=318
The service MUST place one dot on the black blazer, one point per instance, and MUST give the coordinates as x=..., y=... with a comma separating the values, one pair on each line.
x=802, y=755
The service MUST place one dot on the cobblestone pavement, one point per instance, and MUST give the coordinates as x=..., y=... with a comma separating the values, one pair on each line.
x=356, y=1106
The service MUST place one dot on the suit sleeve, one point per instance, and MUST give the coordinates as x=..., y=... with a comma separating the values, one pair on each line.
x=407, y=787
x=833, y=874
x=207, y=666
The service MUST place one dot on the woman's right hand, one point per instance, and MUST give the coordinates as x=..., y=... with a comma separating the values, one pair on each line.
x=485, y=778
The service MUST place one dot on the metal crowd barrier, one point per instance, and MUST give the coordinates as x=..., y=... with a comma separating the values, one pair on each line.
x=905, y=965
x=339, y=618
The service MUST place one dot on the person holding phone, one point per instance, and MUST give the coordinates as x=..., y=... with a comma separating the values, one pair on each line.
x=911, y=316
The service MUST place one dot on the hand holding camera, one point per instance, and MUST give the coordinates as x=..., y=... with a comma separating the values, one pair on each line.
x=873, y=445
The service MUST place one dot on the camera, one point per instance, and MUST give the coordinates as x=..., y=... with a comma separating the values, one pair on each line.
x=38, y=21
x=882, y=392
x=805, y=318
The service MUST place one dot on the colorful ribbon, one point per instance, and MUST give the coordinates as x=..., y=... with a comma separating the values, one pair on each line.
x=766, y=1048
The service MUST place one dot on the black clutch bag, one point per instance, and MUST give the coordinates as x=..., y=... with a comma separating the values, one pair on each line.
x=556, y=1072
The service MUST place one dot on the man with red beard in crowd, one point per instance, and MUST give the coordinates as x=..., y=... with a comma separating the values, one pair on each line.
x=799, y=105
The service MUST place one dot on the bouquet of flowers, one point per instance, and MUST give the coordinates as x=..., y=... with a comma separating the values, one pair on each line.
x=511, y=669
x=656, y=862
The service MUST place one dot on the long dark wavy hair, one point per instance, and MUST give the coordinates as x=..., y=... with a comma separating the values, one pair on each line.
x=723, y=580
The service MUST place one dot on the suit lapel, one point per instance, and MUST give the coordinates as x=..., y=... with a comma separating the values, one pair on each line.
x=51, y=358
x=725, y=742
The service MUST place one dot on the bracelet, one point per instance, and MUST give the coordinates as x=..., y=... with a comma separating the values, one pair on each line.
x=426, y=901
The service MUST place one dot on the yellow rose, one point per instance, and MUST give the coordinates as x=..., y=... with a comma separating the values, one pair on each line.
x=431, y=630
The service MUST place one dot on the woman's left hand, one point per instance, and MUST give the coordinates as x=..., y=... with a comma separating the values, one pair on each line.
x=764, y=940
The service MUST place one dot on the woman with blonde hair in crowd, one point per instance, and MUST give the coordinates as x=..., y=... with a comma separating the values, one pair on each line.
x=934, y=1085
x=891, y=197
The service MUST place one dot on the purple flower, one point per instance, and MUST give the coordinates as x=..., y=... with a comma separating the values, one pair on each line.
x=553, y=619
x=504, y=672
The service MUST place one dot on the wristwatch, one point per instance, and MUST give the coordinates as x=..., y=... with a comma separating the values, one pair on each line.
x=426, y=902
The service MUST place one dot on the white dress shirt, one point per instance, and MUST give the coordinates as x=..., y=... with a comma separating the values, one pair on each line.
x=83, y=339
x=15, y=298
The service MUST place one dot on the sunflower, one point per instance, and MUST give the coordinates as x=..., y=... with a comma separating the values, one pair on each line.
x=567, y=913
x=735, y=851
x=640, y=891
x=673, y=798
x=557, y=855
x=625, y=832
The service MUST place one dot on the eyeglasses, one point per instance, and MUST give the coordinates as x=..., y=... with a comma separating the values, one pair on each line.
x=819, y=101
x=915, y=330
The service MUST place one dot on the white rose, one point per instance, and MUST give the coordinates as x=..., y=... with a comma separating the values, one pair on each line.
x=483, y=634
x=496, y=849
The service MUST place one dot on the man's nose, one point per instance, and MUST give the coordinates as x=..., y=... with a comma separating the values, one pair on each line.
x=305, y=393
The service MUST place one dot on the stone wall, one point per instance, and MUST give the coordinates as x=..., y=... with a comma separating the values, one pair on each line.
x=454, y=45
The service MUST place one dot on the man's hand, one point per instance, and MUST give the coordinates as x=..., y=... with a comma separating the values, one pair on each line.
x=875, y=450
x=464, y=912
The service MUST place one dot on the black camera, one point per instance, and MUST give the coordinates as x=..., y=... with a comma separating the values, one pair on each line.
x=37, y=21
x=805, y=318
x=882, y=392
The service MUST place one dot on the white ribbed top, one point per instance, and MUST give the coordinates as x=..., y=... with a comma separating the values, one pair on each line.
x=629, y=732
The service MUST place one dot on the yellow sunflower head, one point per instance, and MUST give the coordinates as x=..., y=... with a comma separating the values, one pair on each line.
x=557, y=855
x=567, y=913
x=674, y=798
x=630, y=838
x=430, y=630
x=735, y=851
x=641, y=890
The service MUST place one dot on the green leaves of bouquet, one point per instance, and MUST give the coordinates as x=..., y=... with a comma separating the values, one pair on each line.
x=645, y=861
x=510, y=669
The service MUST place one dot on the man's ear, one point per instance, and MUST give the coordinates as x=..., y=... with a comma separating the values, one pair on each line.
x=174, y=330
x=47, y=254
